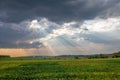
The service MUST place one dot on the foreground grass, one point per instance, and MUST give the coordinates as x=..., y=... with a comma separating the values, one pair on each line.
x=70, y=69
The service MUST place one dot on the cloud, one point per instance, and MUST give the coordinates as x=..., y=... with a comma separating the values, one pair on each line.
x=90, y=36
x=103, y=25
x=99, y=32
x=58, y=11
x=103, y=30
x=93, y=28
x=73, y=26
x=24, y=34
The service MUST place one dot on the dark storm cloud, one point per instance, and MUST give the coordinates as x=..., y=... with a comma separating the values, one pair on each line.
x=57, y=10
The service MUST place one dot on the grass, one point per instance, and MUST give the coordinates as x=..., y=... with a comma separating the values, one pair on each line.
x=69, y=69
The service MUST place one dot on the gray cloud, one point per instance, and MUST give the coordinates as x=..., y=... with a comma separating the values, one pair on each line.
x=15, y=35
x=57, y=10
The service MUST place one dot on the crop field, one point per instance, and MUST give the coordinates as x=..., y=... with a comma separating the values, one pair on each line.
x=59, y=69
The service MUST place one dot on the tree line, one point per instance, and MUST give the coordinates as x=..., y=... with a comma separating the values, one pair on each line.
x=4, y=56
x=113, y=55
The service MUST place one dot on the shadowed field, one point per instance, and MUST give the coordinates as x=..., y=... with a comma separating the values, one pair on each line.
x=69, y=69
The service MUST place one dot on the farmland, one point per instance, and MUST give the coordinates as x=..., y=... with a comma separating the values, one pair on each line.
x=59, y=69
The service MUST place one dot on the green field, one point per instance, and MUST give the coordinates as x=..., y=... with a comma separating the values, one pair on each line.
x=62, y=69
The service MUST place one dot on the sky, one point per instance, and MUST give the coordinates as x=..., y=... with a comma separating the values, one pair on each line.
x=59, y=27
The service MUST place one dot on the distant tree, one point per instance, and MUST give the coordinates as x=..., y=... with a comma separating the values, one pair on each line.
x=76, y=57
x=103, y=56
x=116, y=55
